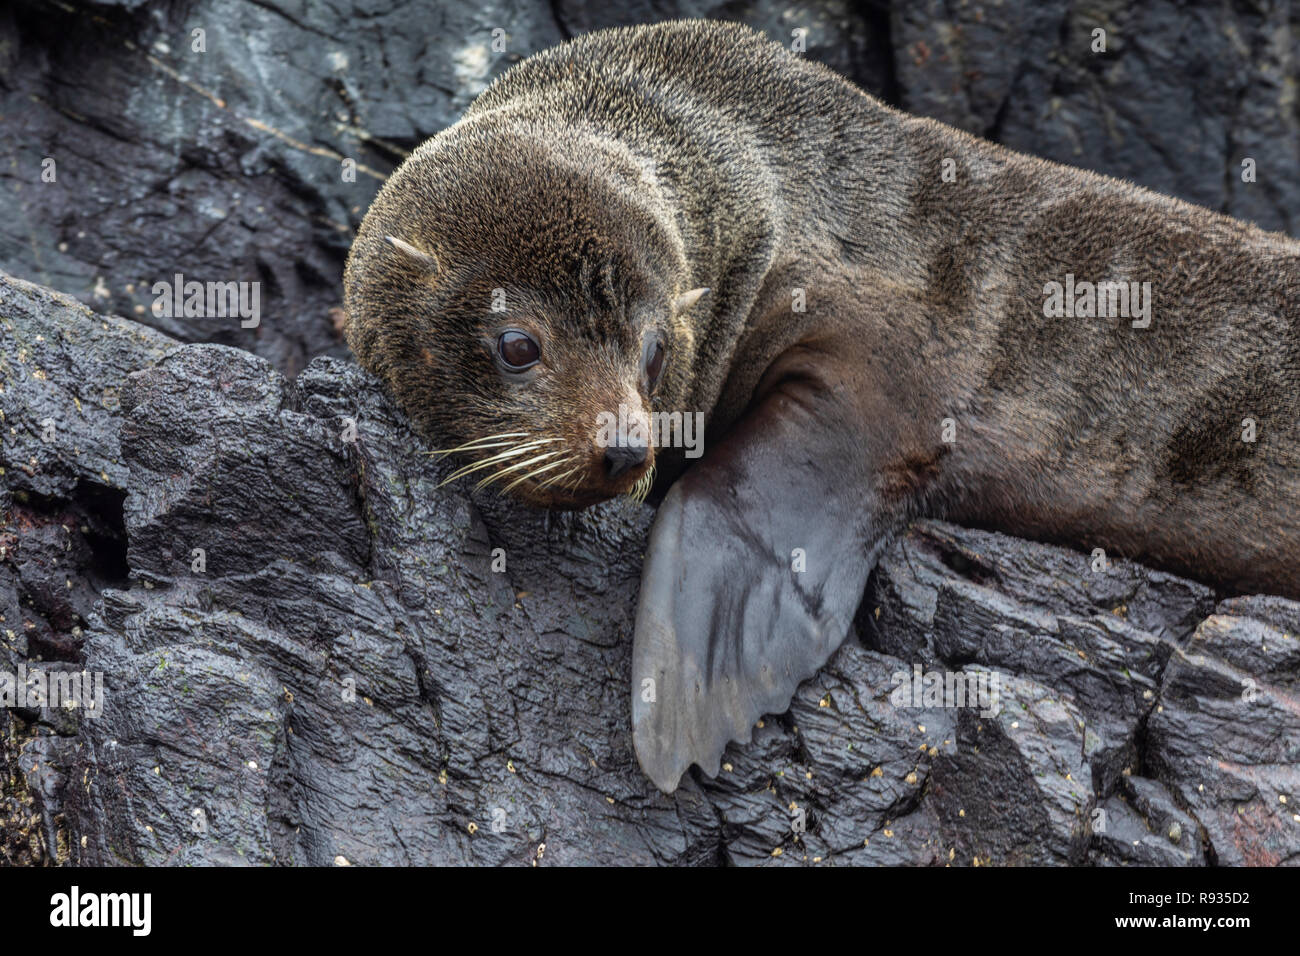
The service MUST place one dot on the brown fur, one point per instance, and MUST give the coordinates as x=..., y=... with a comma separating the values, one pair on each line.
x=599, y=179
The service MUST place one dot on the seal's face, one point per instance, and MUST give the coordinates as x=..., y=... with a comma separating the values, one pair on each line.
x=518, y=305
x=553, y=396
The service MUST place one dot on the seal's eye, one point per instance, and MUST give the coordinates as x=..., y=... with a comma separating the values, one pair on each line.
x=518, y=350
x=654, y=364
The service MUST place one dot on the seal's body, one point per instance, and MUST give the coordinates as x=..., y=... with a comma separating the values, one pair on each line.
x=901, y=320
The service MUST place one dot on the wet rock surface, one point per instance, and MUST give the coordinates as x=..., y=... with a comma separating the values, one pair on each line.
x=312, y=654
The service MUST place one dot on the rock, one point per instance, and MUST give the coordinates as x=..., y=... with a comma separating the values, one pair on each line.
x=1142, y=825
x=344, y=669
x=1226, y=737
x=1173, y=102
x=63, y=368
x=62, y=540
x=255, y=138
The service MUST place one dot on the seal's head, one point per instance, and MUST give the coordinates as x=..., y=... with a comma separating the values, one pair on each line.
x=524, y=297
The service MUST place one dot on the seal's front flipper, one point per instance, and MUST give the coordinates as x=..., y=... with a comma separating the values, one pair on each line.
x=756, y=565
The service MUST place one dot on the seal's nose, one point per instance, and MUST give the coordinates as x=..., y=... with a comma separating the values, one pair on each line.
x=619, y=458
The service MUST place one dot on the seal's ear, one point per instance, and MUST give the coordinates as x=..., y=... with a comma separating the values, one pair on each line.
x=757, y=562
x=687, y=299
x=425, y=259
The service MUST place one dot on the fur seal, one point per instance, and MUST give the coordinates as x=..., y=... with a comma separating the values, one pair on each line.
x=902, y=320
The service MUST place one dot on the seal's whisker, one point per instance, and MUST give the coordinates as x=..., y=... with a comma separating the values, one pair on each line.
x=523, y=464
x=478, y=442
x=496, y=459
x=643, y=486
x=487, y=441
x=479, y=466
x=577, y=480
x=442, y=453
x=532, y=474
x=555, y=479
x=512, y=451
x=498, y=476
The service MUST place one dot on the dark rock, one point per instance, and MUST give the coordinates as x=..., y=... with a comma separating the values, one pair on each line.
x=62, y=370
x=1141, y=825
x=1226, y=738
x=1180, y=97
x=225, y=163
x=62, y=540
